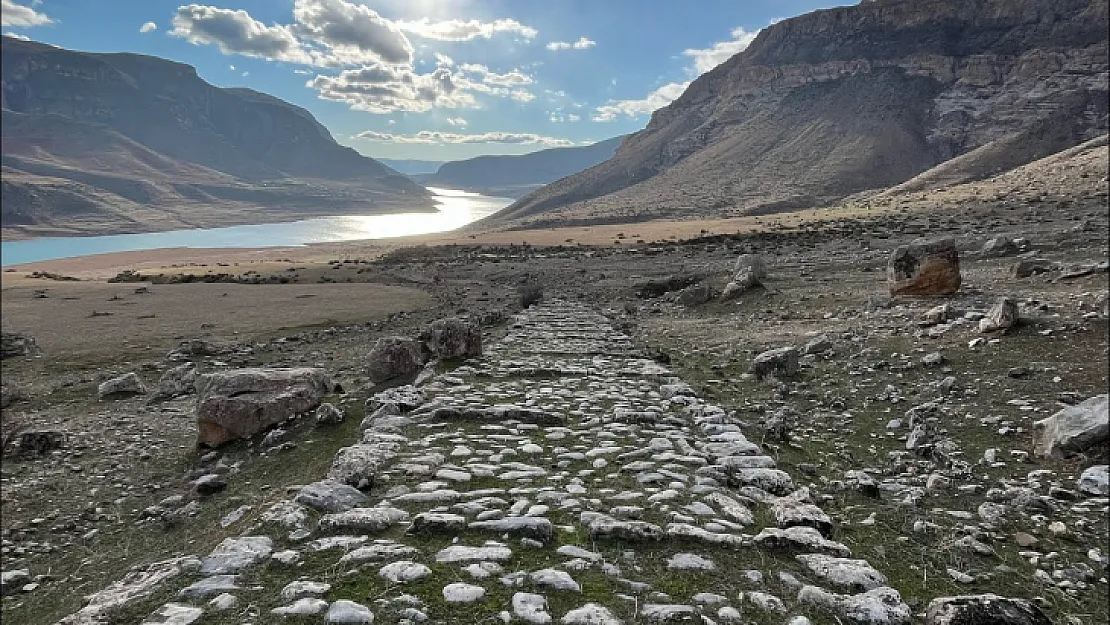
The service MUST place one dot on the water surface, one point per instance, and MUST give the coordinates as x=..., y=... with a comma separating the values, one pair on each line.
x=455, y=209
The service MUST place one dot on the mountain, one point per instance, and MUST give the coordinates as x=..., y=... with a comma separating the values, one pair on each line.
x=409, y=166
x=861, y=97
x=515, y=175
x=126, y=142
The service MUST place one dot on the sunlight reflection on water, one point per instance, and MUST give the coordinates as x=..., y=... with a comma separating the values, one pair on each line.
x=455, y=209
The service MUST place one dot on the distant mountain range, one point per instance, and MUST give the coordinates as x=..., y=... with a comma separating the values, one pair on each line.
x=409, y=166
x=124, y=142
x=859, y=97
x=516, y=175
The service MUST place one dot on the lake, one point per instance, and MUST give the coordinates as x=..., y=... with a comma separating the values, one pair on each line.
x=455, y=209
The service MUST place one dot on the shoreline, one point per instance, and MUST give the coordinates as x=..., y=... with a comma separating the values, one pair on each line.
x=108, y=264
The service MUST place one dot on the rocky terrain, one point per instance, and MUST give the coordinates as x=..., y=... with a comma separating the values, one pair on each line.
x=843, y=100
x=97, y=143
x=739, y=427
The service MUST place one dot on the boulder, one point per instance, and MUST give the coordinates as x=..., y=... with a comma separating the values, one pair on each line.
x=393, y=357
x=1031, y=266
x=1073, y=430
x=750, y=264
x=924, y=268
x=779, y=363
x=16, y=344
x=329, y=414
x=126, y=384
x=1095, y=481
x=242, y=402
x=1002, y=316
x=180, y=380
x=657, y=288
x=999, y=246
x=453, y=338
x=748, y=273
x=985, y=609
x=695, y=295
x=40, y=442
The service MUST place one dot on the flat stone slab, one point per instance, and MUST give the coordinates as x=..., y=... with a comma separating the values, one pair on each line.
x=330, y=496
x=235, y=554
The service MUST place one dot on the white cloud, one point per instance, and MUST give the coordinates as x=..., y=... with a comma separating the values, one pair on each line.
x=12, y=14
x=432, y=136
x=231, y=67
x=573, y=118
x=520, y=95
x=325, y=33
x=704, y=60
x=707, y=59
x=148, y=27
x=17, y=36
x=384, y=89
x=236, y=32
x=454, y=121
x=509, y=79
x=352, y=33
x=458, y=30
x=633, y=108
x=581, y=44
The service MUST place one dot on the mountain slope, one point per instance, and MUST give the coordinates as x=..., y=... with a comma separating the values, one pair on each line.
x=842, y=100
x=139, y=134
x=409, y=166
x=509, y=174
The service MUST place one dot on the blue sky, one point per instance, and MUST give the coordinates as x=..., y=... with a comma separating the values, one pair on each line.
x=431, y=79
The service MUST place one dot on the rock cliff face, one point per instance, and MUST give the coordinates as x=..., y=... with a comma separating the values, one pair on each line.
x=861, y=97
x=85, y=134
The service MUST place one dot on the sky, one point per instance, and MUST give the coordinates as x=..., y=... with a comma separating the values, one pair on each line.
x=431, y=79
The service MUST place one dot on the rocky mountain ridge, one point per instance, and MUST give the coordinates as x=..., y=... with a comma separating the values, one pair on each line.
x=105, y=137
x=852, y=98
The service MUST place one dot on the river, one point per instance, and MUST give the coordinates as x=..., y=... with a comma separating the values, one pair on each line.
x=455, y=209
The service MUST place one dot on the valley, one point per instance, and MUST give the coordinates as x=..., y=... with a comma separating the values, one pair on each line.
x=826, y=342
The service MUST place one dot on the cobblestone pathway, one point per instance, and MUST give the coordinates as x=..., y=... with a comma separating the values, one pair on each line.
x=559, y=478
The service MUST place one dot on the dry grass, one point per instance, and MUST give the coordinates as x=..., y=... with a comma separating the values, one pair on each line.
x=82, y=320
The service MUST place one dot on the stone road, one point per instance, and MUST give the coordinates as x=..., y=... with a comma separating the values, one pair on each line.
x=559, y=478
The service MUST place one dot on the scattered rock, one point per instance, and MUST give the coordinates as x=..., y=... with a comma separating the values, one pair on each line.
x=1095, y=481
x=987, y=609
x=394, y=357
x=1002, y=316
x=328, y=414
x=242, y=402
x=122, y=386
x=780, y=363
x=453, y=338
x=999, y=246
x=924, y=268
x=1073, y=430
x=17, y=344
x=175, y=382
